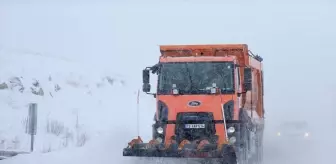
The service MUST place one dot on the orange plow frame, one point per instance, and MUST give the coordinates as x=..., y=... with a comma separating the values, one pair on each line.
x=186, y=149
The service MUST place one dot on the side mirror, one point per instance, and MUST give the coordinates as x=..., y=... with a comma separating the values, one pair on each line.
x=247, y=79
x=146, y=87
x=145, y=76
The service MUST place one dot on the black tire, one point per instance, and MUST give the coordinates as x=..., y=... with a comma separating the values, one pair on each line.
x=230, y=159
x=206, y=161
x=258, y=156
x=244, y=149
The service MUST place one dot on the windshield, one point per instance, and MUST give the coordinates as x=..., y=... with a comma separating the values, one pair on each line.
x=196, y=77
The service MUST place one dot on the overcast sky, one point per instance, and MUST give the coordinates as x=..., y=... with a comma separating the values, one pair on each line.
x=295, y=39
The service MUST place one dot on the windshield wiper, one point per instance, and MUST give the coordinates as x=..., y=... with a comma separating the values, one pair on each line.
x=225, y=82
x=190, y=79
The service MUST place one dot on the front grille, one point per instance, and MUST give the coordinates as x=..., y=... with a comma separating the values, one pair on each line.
x=195, y=131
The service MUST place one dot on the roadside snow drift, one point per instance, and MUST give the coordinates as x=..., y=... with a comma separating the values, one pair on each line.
x=81, y=109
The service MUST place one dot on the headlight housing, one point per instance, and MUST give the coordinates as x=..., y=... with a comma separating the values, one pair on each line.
x=231, y=130
x=159, y=130
x=159, y=139
x=232, y=140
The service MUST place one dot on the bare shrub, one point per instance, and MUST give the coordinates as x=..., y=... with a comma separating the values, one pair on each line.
x=2, y=144
x=81, y=139
x=67, y=137
x=110, y=80
x=38, y=91
x=24, y=123
x=3, y=85
x=55, y=127
x=57, y=88
x=15, y=82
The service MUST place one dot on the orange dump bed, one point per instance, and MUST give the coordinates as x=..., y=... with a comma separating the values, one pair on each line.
x=240, y=51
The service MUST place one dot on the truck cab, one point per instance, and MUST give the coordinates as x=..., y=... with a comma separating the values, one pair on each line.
x=202, y=89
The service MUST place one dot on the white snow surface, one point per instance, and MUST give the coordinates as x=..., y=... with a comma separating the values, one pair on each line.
x=87, y=106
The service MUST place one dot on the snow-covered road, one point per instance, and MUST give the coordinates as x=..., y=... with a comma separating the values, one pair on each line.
x=107, y=149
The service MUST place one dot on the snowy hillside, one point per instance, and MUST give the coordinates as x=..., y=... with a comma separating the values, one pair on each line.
x=76, y=103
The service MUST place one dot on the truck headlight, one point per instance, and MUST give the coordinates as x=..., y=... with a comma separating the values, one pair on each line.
x=159, y=139
x=231, y=130
x=306, y=134
x=159, y=130
x=232, y=140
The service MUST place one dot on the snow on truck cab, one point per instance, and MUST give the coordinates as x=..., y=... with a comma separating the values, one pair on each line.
x=209, y=104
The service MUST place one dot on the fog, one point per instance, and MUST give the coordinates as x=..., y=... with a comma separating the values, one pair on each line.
x=296, y=40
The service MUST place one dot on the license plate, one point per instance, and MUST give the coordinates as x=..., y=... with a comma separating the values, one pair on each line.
x=194, y=126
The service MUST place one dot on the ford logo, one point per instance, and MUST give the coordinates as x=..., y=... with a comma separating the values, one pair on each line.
x=194, y=103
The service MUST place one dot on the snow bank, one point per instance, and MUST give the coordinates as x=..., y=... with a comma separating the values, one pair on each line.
x=88, y=105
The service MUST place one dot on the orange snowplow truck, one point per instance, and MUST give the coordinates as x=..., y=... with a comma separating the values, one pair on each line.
x=209, y=105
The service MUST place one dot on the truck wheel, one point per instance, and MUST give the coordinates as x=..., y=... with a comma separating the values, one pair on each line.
x=260, y=155
x=243, y=156
x=243, y=151
x=227, y=160
x=257, y=157
x=206, y=161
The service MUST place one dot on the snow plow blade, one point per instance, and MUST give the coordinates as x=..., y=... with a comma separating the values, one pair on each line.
x=188, y=151
x=227, y=151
